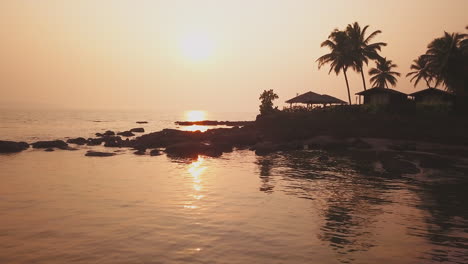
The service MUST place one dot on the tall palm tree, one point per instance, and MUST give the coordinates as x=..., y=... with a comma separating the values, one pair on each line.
x=339, y=57
x=447, y=60
x=383, y=73
x=361, y=48
x=420, y=71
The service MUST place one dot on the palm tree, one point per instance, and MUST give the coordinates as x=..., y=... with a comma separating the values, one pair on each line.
x=339, y=57
x=447, y=60
x=420, y=71
x=361, y=48
x=383, y=74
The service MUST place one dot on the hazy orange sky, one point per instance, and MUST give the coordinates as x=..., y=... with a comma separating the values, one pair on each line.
x=137, y=54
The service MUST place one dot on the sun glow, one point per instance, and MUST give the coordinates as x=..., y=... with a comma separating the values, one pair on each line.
x=197, y=46
x=195, y=115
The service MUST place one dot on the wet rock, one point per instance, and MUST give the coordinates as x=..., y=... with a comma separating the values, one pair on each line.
x=49, y=149
x=187, y=149
x=140, y=152
x=99, y=154
x=106, y=134
x=126, y=134
x=113, y=142
x=60, y=144
x=142, y=122
x=155, y=152
x=94, y=141
x=137, y=130
x=99, y=135
x=264, y=148
x=397, y=166
x=12, y=146
x=77, y=141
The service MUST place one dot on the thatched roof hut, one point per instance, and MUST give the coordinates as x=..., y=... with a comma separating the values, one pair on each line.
x=378, y=95
x=433, y=96
x=311, y=98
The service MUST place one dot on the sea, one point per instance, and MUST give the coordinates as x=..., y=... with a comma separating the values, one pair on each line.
x=286, y=207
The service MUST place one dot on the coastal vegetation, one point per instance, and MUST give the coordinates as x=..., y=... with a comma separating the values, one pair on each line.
x=383, y=73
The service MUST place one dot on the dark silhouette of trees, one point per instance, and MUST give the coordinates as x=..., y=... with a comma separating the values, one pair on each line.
x=420, y=71
x=383, y=73
x=361, y=48
x=267, y=98
x=340, y=58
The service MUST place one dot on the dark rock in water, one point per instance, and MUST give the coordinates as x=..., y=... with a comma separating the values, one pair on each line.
x=94, y=141
x=126, y=134
x=222, y=146
x=113, y=142
x=49, y=149
x=264, y=148
x=137, y=130
x=60, y=144
x=187, y=149
x=397, y=166
x=323, y=158
x=155, y=152
x=99, y=135
x=106, y=134
x=99, y=154
x=140, y=152
x=142, y=122
x=12, y=147
x=77, y=141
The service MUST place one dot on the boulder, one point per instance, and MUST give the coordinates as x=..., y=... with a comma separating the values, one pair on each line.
x=137, y=130
x=397, y=166
x=94, y=141
x=155, y=152
x=77, y=141
x=126, y=134
x=264, y=148
x=140, y=152
x=188, y=149
x=12, y=147
x=113, y=142
x=60, y=144
x=106, y=134
x=99, y=154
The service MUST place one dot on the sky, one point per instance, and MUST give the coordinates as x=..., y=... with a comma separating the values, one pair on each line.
x=214, y=55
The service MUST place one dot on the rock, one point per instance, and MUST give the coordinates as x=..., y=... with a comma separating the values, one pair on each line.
x=60, y=144
x=126, y=134
x=142, y=122
x=94, y=141
x=155, y=152
x=49, y=149
x=137, y=130
x=264, y=148
x=113, y=142
x=323, y=158
x=139, y=152
x=12, y=146
x=397, y=166
x=99, y=135
x=106, y=134
x=77, y=141
x=187, y=149
x=99, y=154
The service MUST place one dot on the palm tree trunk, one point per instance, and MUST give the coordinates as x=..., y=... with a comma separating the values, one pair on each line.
x=363, y=79
x=347, y=85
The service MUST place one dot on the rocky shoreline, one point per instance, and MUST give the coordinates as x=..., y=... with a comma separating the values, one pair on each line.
x=393, y=155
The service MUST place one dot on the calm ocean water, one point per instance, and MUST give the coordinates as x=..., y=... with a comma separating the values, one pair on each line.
x=63, y=207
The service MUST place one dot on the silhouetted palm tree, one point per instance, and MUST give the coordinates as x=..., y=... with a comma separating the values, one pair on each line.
x=447, y=60
x=361, y=48
x=339, y=57
x=420, y=71
x=383, y=74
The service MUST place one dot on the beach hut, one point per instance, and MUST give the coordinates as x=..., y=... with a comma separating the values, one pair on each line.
x=433, y=96
x=383, y=96
x=311, y=98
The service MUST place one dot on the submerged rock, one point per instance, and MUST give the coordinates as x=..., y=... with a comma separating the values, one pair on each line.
x=60, y=144
x=99, y=154
x=12, y=146
x=77, y=141
x=137, y=130
x=142, y=122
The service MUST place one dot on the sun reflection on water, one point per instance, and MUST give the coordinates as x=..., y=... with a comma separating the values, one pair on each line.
x=196, y=170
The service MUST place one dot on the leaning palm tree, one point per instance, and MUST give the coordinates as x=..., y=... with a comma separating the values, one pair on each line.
x=383, y=73
x=339, y=57
x=447, y=60
x=420, y=71
x=361, y=48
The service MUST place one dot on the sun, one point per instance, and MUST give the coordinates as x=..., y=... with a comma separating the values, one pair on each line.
x=197, y=46
x=195, y=115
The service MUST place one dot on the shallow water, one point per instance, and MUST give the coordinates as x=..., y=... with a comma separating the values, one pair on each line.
x=63, y=207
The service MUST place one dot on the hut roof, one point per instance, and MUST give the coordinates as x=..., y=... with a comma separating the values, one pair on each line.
x=377, y=90
x=432, y=91
x=314, y=98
